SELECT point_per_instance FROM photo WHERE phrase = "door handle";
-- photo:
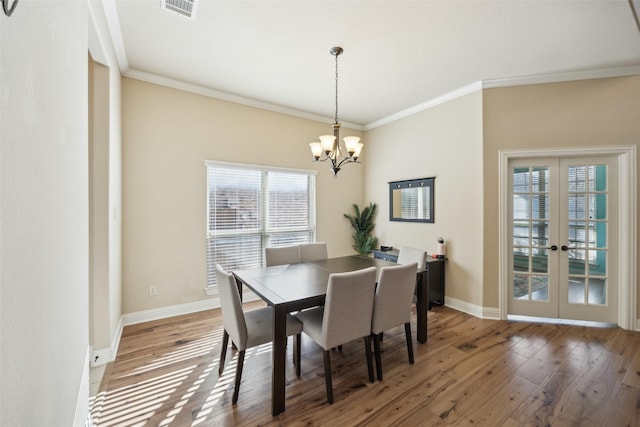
(553, 248)
(565, 247)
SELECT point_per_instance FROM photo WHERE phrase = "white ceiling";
(397, 54)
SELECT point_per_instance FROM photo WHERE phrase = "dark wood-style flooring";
(471, 372)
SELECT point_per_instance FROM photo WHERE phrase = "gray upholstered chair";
(247, 329)
(408, 254)
(283, 255)
(345, 317)
(313, 251)
(392, 306)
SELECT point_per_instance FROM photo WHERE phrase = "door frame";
(627, 220)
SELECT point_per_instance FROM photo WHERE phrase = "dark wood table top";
(305, 283)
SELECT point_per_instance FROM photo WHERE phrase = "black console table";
(434, 270)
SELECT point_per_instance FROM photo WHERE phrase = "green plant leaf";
(363, 224)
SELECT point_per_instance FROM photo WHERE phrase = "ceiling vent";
(183, 7)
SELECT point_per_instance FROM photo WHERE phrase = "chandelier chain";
(336, 116)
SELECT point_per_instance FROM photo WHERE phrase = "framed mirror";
(411, 200)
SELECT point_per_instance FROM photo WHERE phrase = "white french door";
(563, 238)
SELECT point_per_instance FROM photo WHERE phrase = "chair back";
(232, 314)
(408, 255)
(313, 251)
(348, 307)
(393, 297)
(283, 255)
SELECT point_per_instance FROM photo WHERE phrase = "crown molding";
(224, 96)
(562, 77)
(449, 96)
(508, 82)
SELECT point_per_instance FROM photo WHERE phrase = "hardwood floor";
(471, 372)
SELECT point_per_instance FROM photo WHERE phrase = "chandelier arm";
(347, 160)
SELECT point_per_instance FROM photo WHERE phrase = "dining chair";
(247, 328)
(282, 255)
(345, 317)
(392, 306)
(313, 251)
(407, 254)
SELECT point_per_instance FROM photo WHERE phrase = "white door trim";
(627, 219)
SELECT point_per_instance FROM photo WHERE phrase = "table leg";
(278, 352)
(422, 304)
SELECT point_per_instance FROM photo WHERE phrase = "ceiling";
(397, 54)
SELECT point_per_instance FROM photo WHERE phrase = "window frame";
(263, 232)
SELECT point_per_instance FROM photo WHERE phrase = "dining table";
(293, 287)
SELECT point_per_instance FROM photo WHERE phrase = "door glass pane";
(577, 204)
(540, 288)
(521, 259)
(540, 179)
(577, 261)
(598, 235)
(576, 290)
(521, 206)
(540, 206)
(521, 180)
(577, 234)
(597, 263)
(520, 286)
(597, 291)
(540, 261)
(597, 206)
(540, 233)
(577, 178)
(521, 233)
(598, 178)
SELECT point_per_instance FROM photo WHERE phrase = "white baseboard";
(490, 313)
(472, 309)
(105, 355)
(82, 402)
(637, 325)
(169, 311)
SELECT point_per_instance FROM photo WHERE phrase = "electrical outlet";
(153, 291)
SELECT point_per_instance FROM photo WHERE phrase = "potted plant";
(363, 225)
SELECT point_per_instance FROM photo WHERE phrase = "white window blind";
(415, 203)
(250, 208)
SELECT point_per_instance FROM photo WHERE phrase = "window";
(250, 208)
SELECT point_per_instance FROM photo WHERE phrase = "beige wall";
(99, 331)
(588, 113)
(445, 142)
(167, 136)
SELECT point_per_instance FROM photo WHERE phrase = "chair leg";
(407, 331)
(367, 350)
(327, 376)
(236, 389)
(296, 353)
(223, 351)
(376, 348)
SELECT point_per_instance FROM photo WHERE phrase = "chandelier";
(328, 149)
